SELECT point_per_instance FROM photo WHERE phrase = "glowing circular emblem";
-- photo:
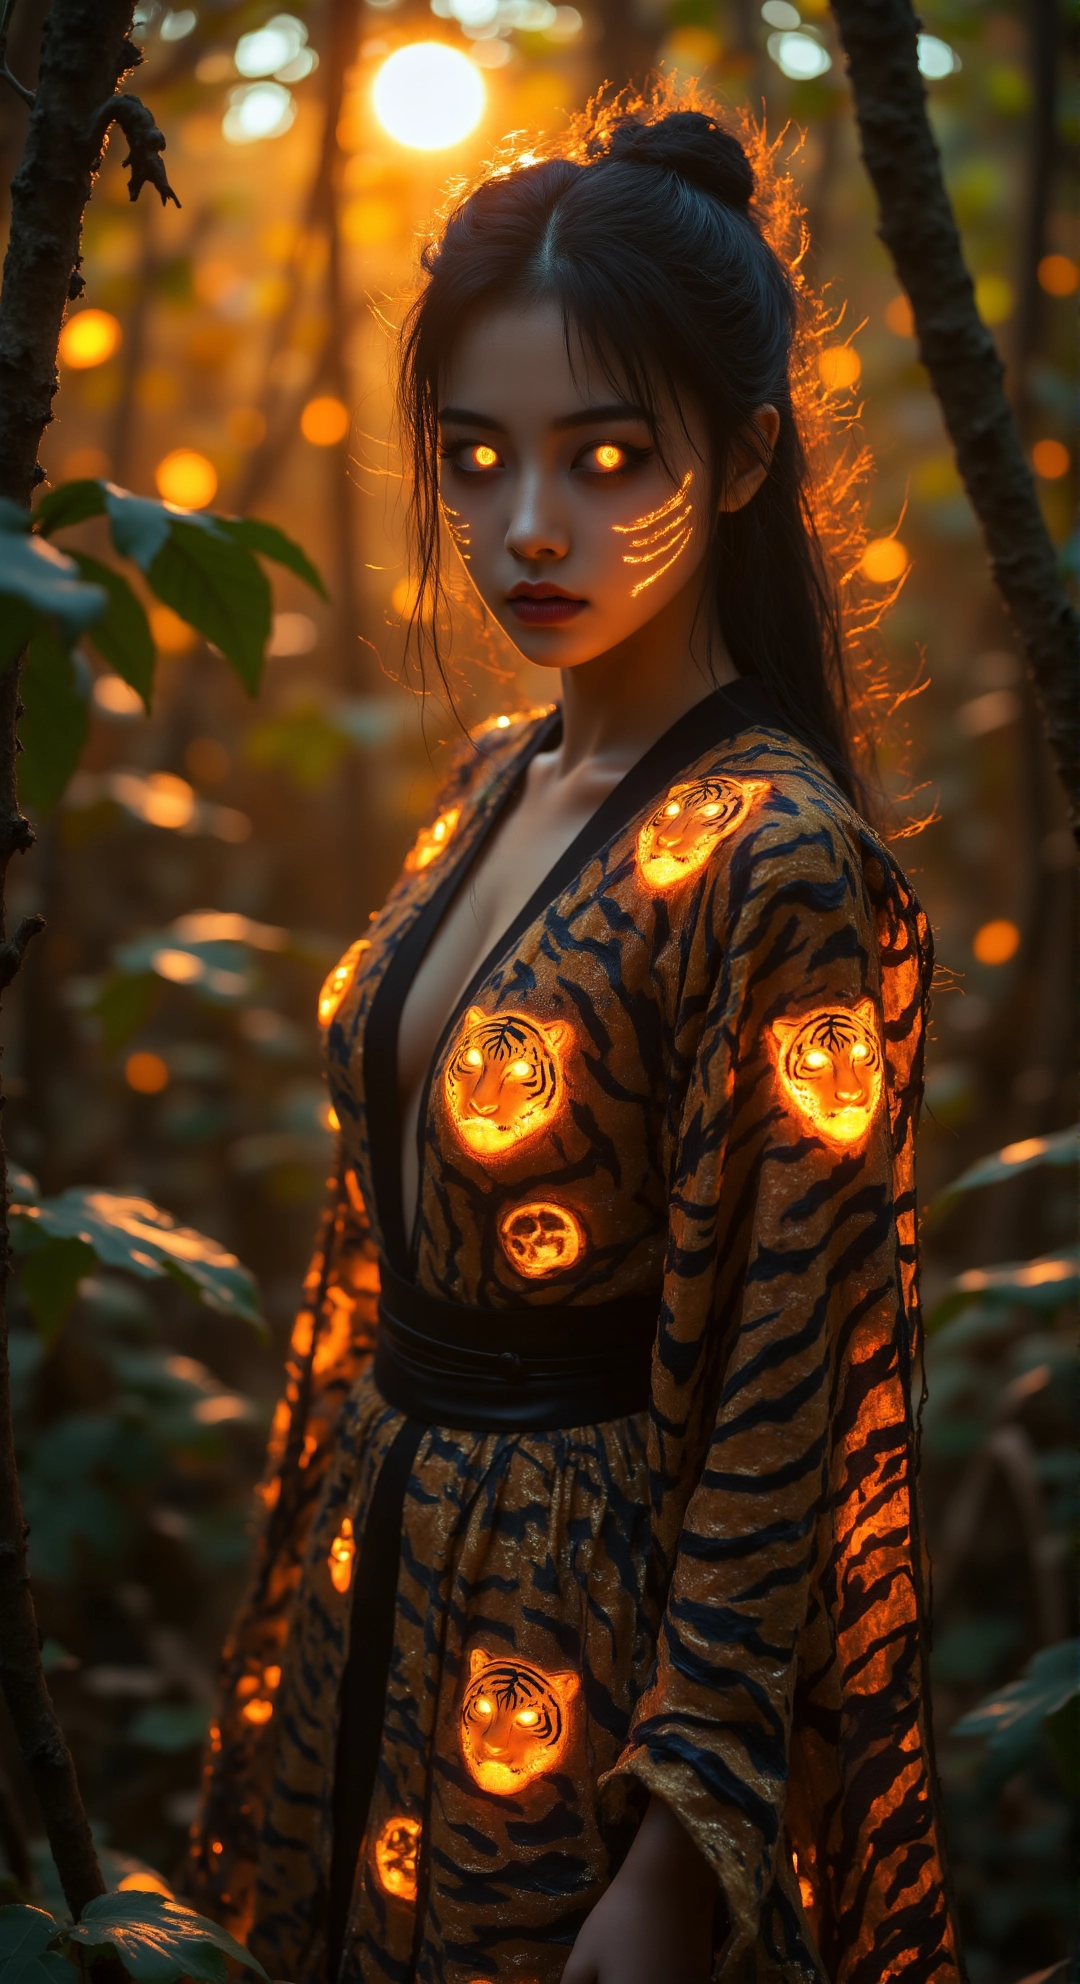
(514, 1721)
(337, 984)
(396, 1852)
(431, 841)
(340, 1560)
(830, 1064)
(540, 1239)
(504, 1080)
(428, 96)
(677, 840)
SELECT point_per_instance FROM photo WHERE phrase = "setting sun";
(428, 96)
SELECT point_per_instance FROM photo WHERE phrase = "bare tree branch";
(20, 89)
(12, 953)
(920, 233)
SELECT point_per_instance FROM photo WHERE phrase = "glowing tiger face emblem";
(515, 1721)
(504, 1081)
(396, 1851)
(431, 841)
(337, 984)
(831, 1067)
(539, 1238)
(677, 840)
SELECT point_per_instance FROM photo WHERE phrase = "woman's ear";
(750, 459)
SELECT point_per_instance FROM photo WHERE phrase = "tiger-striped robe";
(699, 1065)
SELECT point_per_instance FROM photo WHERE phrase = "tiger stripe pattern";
(733, 1580)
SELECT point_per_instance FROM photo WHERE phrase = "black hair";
(647, 239)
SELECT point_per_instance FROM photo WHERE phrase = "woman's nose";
(535, 529)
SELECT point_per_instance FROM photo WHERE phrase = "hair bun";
(692, 145)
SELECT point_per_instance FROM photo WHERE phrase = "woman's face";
(572, 530)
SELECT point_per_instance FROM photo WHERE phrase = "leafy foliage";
(60, 1239)
(202, 566)
(1060, 1149)
(156, 1938)
(1013, 1720)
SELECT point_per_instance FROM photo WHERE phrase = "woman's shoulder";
(797, 822)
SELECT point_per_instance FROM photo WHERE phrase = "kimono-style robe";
(692, 1066)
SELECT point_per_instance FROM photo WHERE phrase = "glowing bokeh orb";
(186, 479)
(89, 338)
(1058, 275)
(839, 368)
(146, 1073)
(997, 941)
(324, 421)
(1050, 459)
(884, 561)
(428, 96)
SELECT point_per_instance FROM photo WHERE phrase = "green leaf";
(22, 1185)
(25, 1956)
(131, 1233)
(1012, 1720)
(52, 729)
(139, 526)
(170, 1727)
(1045, 1283)
(122, 635)
(217, 586)
(124, 1004)
(273, 543)
(69, 503)
(47, 582)
(49, 1278)
(158, 1939)
(1062, 1148)
(18, 621)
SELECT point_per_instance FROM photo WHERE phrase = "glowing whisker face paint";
(661, 533)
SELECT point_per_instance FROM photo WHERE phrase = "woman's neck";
(617, 705)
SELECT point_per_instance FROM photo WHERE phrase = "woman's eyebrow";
(462, 416)
(591, 416)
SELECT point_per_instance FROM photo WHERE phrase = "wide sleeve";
(784, 1721)
(331, 1341)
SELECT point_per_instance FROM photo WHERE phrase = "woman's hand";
(654, 1925)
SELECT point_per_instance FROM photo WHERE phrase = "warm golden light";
(485, 457)
(337, 984)
(1058, 275)
(145, 1881)
(324, 421)
(995, 298)
(661, 533)
(830, 1064)
(996, 942)
(431, 841)
(884, 561)
(146, 1073)
(1050, 460)
(257, 1711)
(609, 456)
(515, 1721)
(89, 338)
(186, 479)
(839, 368)
(504, 1082)
(428, 96)
(540, 1238)
(900, 317)
(679, 837)
(396, 1852)
(171, 634)
(340, 1560)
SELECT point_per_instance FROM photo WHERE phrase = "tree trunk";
(920, 233)
(85, 51)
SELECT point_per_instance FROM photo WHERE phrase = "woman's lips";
(543, 607)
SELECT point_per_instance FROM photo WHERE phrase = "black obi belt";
(512, 1370)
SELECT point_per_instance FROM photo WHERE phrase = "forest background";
(208, 863)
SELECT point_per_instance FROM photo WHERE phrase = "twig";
(919, 230)
(11, 953)
(20, 89)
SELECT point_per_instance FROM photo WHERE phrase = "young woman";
(585, 1635)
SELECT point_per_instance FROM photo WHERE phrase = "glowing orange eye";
(521, 1069)
(485, 457)
(816, 1059)
(859, 1052)
(709, 812)
(527, 1717)
(673, 810)
(609, 456)
(474, 1058)
(483, 1707)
